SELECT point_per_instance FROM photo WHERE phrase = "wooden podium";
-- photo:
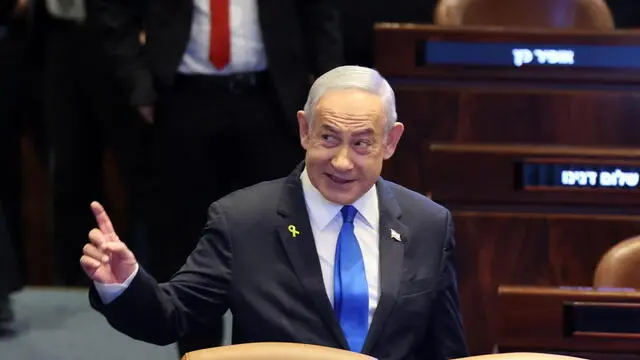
(598, 324)
(530, 138)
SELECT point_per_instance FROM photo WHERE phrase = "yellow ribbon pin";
(293, 231)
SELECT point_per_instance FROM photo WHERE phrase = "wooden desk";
(482, 128)
(585, 322)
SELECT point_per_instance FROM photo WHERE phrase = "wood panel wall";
(466, 130)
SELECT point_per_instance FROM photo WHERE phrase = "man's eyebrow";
(368, 131)
(328, 128)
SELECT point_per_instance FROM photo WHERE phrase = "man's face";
(347, 143)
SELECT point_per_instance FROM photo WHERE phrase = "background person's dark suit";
(247, 260)
(302, 38)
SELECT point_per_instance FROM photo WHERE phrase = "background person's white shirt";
(326, 221)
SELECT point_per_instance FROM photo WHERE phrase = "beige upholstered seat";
(619, 266)
(522, 356)
(274, 351)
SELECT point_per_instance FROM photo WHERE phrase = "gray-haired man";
(332, 255)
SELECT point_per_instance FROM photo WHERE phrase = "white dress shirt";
(247, 47)
(326, 221)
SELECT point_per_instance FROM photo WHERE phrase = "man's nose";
(341, 161)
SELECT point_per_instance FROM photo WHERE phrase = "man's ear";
(393, 137)
(303, 128)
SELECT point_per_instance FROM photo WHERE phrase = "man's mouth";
(339, 180)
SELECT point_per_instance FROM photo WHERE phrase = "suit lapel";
(393, 235)
(297, 239)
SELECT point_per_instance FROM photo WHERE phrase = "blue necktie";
(351, 294)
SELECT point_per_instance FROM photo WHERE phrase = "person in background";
(220, 82)
(331, 255)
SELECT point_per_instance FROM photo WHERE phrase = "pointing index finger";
(104, 223)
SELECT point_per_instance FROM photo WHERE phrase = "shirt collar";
(322, 211)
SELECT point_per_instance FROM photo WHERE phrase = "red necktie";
(219, 40)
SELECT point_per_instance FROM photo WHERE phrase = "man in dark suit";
(332, 255)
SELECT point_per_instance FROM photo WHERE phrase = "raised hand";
(106, 259)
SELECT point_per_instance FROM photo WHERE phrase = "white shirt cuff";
(109, 292)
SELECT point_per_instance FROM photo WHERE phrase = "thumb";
(122, 262)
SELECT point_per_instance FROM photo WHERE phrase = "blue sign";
(551, 175)
(519, 55)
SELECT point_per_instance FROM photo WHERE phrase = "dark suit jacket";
(248, 261)
(301, 38)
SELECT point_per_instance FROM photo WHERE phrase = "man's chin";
(340, 198)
